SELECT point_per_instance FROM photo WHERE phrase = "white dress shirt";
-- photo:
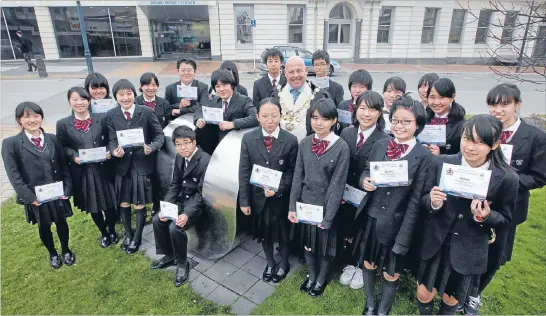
(331, 138)
(274, 134)
(513, 129)
(187, 160)
(367, 133)
(411, 143)
(131, 110)
(278, 78)
(29, 136)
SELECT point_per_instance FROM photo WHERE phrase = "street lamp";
(83, 30)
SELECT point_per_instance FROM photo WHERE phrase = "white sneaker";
(347, 275)
(357, 282)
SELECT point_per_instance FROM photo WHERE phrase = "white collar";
(514, 126)
(88, 116)
(367, 132)
(29, 136)
(228, 100)
(331, 138)
(184, 85)
(464, 163)
(442, 116)
(274, 134)
(411, 143)
(189, 159)
(278, 78)
(130, 110)
(152, 100)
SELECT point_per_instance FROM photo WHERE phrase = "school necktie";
(438, 121)
(274, 82)
(395, 150)
(268, 142)
(36, 141)
(360, 140)
(225, 107)
(150, 104)
(295, 94)
(82, 125)
(505, 135)
(318, 147)
(351, 106)
(127, 115)
(186, 162)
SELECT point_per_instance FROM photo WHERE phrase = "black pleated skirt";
(49, 212)
(269, 227)
(322, 242)
(134, 188)
(97, 194)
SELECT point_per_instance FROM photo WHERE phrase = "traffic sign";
(253, 23)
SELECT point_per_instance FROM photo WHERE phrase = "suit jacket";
(26, 45)
(24, 168)
(144, 118)
(186, 187)
(469, 239)
(529, 160)
(263, 89)
(336, 92)
(173, 99)
(281, 158)
(163, 109)
(396, 208)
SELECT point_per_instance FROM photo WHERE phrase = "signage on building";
(172, 2)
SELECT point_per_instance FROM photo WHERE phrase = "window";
(540, 43)
(339, 28)
(125, 29)
(457, 24)
(508, 28)
(19, 19)
(384, 28)
(429, 25)
(483, 27)
(243, 15)
(296, 19)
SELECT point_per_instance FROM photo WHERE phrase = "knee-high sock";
(46, 237)
(64, 234)
(387, 297)
(125, 213)
(140, 222)
(268, 250)
(446, 309)
(98, 218)
(425, 308)
(311, 262)
(368, 276)
(284, 252)
(111, 218)
(325, 263)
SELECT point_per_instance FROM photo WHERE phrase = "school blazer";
(163, 109)
(24, 170)
(529, 160)
(359, 157)
(469, 239)
(281, 158)
(263, 89)
(186, 188)
(240, 111)
(397, 208)
(336, 91)
(144, 118)
(454, 132)
(173, 99)
(343, 105)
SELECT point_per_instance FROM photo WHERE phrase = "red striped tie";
(318, 146)
(438, 121)
(36, 141)
(505, 135)
(268, 142)
(395, 150)
(150, 104)
(127, 115)
(351, 106)
(82, 125)
(360, 140)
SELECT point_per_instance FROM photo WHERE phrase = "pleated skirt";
(97, 194)
(322, 242)
(269, 227)
(133, 188)
(49, 212)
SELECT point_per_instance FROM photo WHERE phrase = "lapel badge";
(448, 146)
(519, 162)
(102, 137)
(281, 162)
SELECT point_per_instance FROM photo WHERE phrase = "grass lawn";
(103, 281)
(518, 288)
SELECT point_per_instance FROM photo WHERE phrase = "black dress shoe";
(162, 263)
(55, 262)
(104, 241)
(317, 290)
(268, 273)
(181, 275)
(69, 258)
(307, 285)
(133, 247)
(368, 310)
(280, 275)
(114, 239)
(125, 243)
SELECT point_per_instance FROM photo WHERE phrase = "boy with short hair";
(264, 86)
(321, 65)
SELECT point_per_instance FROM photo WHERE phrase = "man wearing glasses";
(321, 65)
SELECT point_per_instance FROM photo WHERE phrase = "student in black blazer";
(135, 164)
(97, 86)
(443, 110)
(321, 65)
(238, 111)
(391, 213)
(186, 191)
(33, 158)
(186, 71)
(149, 84)
(231, 66)
(456, 231)
(268, 146)
(366, 130)
(93, 183)
(360, 81)
(265, 86)
(423, 84)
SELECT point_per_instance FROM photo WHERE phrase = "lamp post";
(86, 51)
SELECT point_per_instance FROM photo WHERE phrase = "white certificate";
(212, 115)
(186, 92)
(507, 152)
(321, 83)
(433, 135)
(344, 116)
(353, 195)
(309, 213)
(469, 183)
(168, 210)
(265, 177)
(49, 192)
(131, 137)
(389, 173)
(91, 155)
(103, 105)
(388, 127)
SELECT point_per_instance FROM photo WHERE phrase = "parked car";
(289, 51)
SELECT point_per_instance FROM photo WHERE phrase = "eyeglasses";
(320, 65)
(183, 144)
(404, 122)
(185, 71)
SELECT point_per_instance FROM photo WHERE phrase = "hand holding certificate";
(345, 117)
(468, 183)
(433, 135)
(103, 105)
(309, 213)
(353, 195)
(91, 155)
(213, 115)
(168, 210)
(389, 173)
(265, 177)
(186, 92)
(131, 137)
(49, 192)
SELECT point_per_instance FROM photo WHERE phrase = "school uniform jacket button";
(460, 216)
(383, 207)
(388, 193)
(184, 181)
(456, 234)
(187, 196)
(267, 162)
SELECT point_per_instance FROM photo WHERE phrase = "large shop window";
(19, 19)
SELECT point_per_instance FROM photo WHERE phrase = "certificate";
(309, 213)
(321, 83)
(353, 195)
(507, 152)
(469, 183)
(186, 92)
(389, 173)
(388, 127)
(433, 135)
(265, 177)
(213, 115)
(103, 106)
(168, 210)
(91, 155)
(345, 116)
(49, 192)
(131, 137)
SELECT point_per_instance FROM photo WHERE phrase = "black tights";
(44, 230)
(323, 267)
(108, 226)
(283, 251)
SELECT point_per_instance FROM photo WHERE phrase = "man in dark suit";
(26, 49)
(264, 86)
(186, 191)
(321, 65)
(174, 93)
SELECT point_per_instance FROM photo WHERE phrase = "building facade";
(370, 31)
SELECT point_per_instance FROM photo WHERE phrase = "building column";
(356, 53)
(145, 34)
(215, 38)
(47, 33)
(325, 43)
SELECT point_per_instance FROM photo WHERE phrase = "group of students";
(452, 246)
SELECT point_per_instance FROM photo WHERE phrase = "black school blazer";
(469, 239)
(263, 89)
(163, 109)
(173, 99)
(24, 170)
(454, 131)
(281, 158)
(240, 111)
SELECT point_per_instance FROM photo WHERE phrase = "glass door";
(176, 39)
